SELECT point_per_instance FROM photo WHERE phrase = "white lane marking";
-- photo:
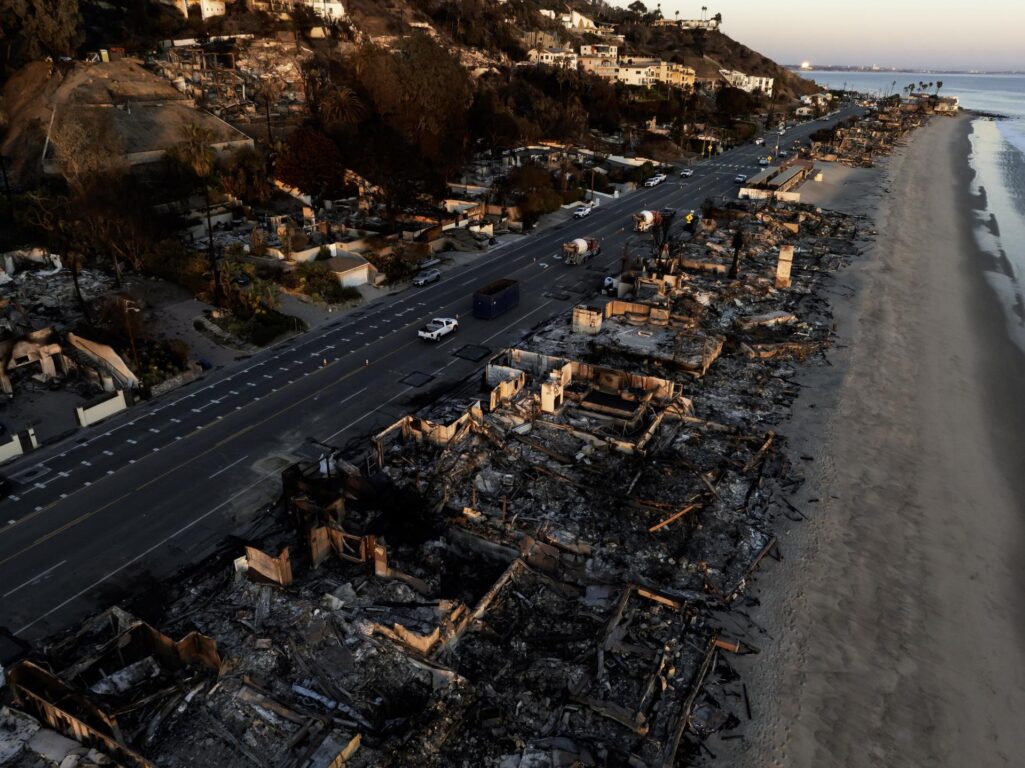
(229, 466)
(521, 319)
(140, 556)
(34, 579)
(364, 416)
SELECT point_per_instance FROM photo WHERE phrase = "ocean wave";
(1013, 132)
(998, 159)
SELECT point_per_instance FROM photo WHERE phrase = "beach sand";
(893, 630)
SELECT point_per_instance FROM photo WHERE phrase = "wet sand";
(894, 629)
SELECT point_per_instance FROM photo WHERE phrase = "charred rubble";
(531, 571)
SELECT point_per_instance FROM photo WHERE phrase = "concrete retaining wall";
(100, 411)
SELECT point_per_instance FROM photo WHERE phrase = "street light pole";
(128, 326)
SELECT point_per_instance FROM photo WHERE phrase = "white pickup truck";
(438, 328)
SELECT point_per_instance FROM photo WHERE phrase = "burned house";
(530, 571)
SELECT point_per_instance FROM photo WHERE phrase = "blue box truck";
(496, 298)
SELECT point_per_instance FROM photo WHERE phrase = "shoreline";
(891, 634)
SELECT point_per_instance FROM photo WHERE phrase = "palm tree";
(196, 157)
(939, 84)
(342, 106)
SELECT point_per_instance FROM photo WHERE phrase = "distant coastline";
(884, 70)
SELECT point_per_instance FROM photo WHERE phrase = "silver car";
(427, 276)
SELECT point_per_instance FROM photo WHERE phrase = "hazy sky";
(985, 34)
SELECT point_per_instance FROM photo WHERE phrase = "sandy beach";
(893, 629)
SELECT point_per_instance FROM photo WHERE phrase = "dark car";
(5, 487)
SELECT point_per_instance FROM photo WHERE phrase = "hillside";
(709, 51)
(497, 30)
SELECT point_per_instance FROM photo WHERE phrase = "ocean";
(998, 159)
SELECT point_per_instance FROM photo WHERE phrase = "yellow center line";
(69, 524)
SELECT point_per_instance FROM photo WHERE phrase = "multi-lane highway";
(135, 498)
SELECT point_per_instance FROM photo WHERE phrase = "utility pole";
(128, 327)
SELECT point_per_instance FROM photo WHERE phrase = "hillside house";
(600, 51)
(599, 65)
(207, 9)
(572, 20)
(599, 60)
(817, 99)
(328, 10)
(648, 72)
(553, 57)
(748, 83)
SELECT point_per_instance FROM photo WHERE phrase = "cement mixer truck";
(578, 251)
(646, 220)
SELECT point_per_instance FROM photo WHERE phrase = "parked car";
(783, 153)
(740, 178)
(655, 180)
(584, 210)
(438, 328)
(242, 280)
(686, 173)
(425, 276)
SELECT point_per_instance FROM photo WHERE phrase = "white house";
(638, 71)
(329, 10)
(352, 270)
(817, 99)
(643, 72)
(749, 83)
(600, 51)
(207, 8)
(572, 20)
(553, 57)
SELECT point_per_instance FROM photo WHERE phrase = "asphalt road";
(137, 497)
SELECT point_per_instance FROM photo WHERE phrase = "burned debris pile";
(858, 142)
(529, 572)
